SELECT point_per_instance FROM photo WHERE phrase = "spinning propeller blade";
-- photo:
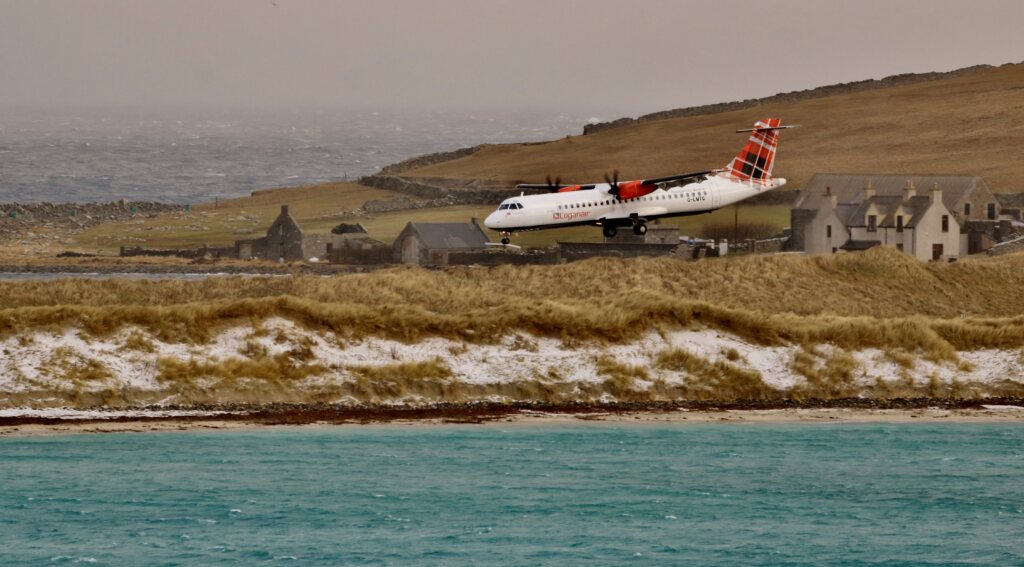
(613, 182)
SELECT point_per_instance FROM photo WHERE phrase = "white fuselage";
(598, 207)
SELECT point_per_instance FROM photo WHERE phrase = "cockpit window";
(503, 207)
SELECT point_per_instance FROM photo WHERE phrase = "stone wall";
(1008, 247)
(360, 256)
(572, 251)
(192, 253)
(427, 159)
(499, 257)
(443, 192)
(16, 217)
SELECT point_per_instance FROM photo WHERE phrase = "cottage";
(285, 240)
(429, 243)
(928, 217)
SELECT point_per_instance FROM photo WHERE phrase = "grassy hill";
(968, 124)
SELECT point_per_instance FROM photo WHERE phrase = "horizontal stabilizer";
(766, 128)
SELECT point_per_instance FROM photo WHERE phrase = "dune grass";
(827, 306)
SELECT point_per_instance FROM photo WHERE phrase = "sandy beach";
(34, 426)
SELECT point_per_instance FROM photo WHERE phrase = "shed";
(429, 243)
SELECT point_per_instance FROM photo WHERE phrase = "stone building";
(429, 243)
(285, 240)
(928, 217)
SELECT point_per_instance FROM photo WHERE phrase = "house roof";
(285, 219)
(449, 235)
(849, 188)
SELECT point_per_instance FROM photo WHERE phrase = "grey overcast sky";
(628, 56)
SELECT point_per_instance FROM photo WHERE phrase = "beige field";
(964, 125)
(220, 226)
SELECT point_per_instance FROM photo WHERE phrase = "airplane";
(614, 204)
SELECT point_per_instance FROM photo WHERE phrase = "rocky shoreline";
(484, 412)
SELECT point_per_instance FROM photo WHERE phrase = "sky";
(606, 55)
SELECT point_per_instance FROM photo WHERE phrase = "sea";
(194, 155)
(573, 494)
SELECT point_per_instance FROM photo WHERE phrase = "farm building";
(929, 217)
(429, 243)
(286, 241)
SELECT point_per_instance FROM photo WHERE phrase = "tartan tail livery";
(754, 163)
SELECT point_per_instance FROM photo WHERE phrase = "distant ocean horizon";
(587, 494)
(191, 156)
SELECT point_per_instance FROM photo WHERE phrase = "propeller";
(555, 186)
(613, 183)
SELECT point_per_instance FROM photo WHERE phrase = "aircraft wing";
(552, 187)
(680, 177)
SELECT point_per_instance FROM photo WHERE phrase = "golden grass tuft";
(721, 380)
(827, 377)
(138, 342)
(189, 374)
(427, 379)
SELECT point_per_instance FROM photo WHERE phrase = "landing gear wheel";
(505, 241)
(639, 229)
(609, 231)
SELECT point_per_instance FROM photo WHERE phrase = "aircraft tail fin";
(756, 159)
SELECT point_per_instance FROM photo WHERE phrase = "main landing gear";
(639, 229)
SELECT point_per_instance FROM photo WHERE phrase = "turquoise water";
(579, 494)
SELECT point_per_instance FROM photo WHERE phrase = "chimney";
(936, 193)
(910, 191)
(833, 199)
(869, 191)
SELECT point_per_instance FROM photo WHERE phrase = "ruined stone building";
(929, 217)
(286, 241)
(429, 243)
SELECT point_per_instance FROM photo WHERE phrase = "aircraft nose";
(492, 221)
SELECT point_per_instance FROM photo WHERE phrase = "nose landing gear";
(609, 231)
(505, 238)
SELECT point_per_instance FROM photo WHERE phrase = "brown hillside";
(968, 124)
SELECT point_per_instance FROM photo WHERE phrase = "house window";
(945, 223)
(899, 247)
(967, 209)
(991, 211)
(828, 231)
(834, 249)
(899, 223)
(872, 223)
